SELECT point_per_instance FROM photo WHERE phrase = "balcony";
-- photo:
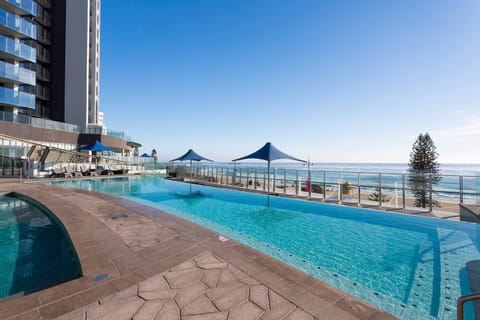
(15, 50)
(42, 73)
(42, 92)
(21, 7)
(43, 35)
(43, 54)
(45, 3)
(16, 98)
(44, 17)
(15, 26)
(11, 73)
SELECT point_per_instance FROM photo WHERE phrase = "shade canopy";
(190, 155)
(269, 153)
(145, 155)
(96, 146)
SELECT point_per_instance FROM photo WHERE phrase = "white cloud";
(468, 128)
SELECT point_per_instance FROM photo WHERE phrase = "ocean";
(458, 181)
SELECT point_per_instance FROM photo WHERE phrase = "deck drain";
(375, 293)
(122, 215)
(100, 277)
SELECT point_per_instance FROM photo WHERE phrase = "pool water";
(412, 267)
(35, 253)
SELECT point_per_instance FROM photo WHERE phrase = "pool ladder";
(461, 301)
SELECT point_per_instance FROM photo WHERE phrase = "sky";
(331, 81)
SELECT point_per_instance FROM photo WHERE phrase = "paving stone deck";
(162, 267)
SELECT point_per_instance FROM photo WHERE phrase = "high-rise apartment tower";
(50, 59)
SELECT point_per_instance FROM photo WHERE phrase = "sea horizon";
(394, 167)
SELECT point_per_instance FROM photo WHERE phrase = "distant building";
(49, 75)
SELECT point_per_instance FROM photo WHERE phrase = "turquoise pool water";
(412, 267)
(34, 251)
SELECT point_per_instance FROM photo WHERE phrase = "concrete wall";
(40, 135)
(470, 213)
(76, 62)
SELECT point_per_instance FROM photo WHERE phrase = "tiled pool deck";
(162, 267)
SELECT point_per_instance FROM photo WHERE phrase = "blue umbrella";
(145, 155)
(268, 153)
(96, 146)
(190, 155)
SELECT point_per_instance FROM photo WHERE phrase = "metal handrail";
(461, 301)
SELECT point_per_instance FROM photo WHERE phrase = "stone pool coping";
(105, 233)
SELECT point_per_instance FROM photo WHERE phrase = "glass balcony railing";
(17, 98)
(28, 6)
(95, 129)
(18, 24)
(18, 49)
(16, 73)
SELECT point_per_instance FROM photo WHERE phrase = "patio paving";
(159, 266)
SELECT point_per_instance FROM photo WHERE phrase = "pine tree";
(154, 155)
(423, 169)
(375, 196)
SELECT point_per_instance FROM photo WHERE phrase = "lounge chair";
(117, 169)
(57, 173)
(104, 171)
(69, 172)
(86, 171)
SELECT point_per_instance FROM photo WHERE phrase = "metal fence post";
(380, 189)
(430, 200)
(460, 185)
(359, 190)
(340, 191)
(264, 180)
(324, 185)
(274, 178)
(403, 191)
(309, 183)
(284, 181)
(255, 180)
(296, 183)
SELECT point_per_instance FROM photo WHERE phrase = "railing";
(94, 129)
(386, 190)
(38, 122)
(461, 303)
(16, 48)
(16, 98)
(26, 5)
(18, 24)
(17, 73)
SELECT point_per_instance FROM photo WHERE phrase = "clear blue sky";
(335, 81)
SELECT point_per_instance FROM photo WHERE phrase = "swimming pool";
(412, 267)
(35, 253)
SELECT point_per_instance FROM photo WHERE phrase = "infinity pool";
(35, 253)
(412, 267)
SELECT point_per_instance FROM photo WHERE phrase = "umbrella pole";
(268, 187)
(190, 176)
